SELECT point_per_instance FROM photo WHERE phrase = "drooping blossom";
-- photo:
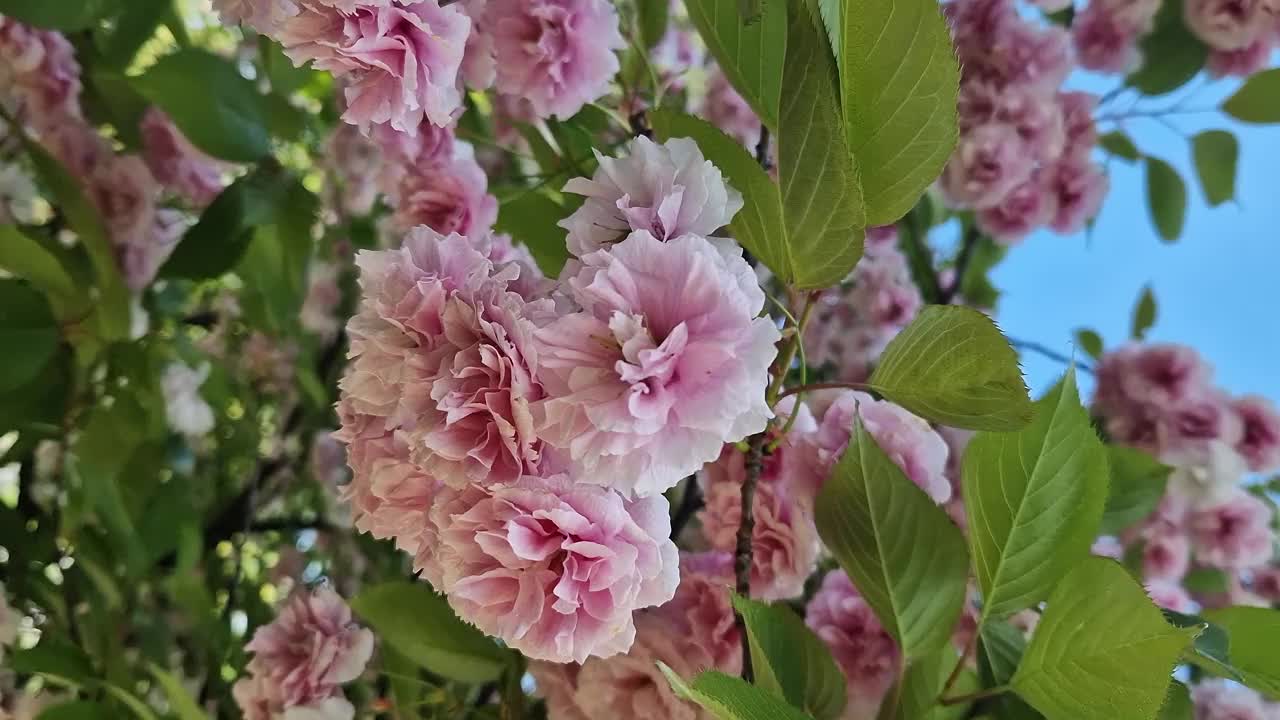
(263, 15)
(398, 61)
(1160, 375)
(1252, 58)
(479, 66)
(723, 107)
(44, 76)
(668, 190)
(1233, 535)
(1080, 132)
(175, 162)
(557, 54)
(186, 410)
(1260, 435)
(302, 658)
(666, 361)
(692, 633)
(908, 440)
(989, 162)
(442, 351)
(556, 567)
(679, 50)
(1166, 555)
(861, 646)
(784, 539)
(125, 193)
(1106, 40)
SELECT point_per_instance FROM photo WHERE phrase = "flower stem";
(975, 696)
(824, 386)
(742, 556)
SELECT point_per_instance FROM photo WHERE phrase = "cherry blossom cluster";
(1240, 35)
(517, 445)
(1023, 159)
(406, 62)
(39, 70)
(1160, 399)
(301, 660)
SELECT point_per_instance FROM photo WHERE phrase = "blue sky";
(1216, 288)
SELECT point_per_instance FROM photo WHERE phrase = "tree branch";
(971, 238)
(742, 555)
(762, 148)
(690, 503)
(1039, 349)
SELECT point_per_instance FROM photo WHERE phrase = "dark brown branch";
(762, 148)
(970, 243)
(742, 555)
(690, 503)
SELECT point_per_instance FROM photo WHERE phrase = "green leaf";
(1034, 500)
(1166, 198)
(1177, 704)
(1137, 485)
(952, 365)
(111, 311)
(28, 333)
(1172, 53)
(789, 659)
(899, 82)
(124, 106)
(64, 15)
(181, 704)
(1255, 635)
(821, 194)
(420, 625)
(135, 25)
(653, 16)
(1211, 649)
(285, 77)
(28, 259)
(1206, 581)
(1090, 342)
(53, 656)
(1144, 314)
(1101, 651)
(1255, 101)
(274, 266)
(1000, 650)
(532, 218)
(750, 54)
(99, 457)
(215, 107)
(922, 684)
(874, 520)
(758, 226)
(1117, 143)
(1216, 153)
(729, 698)
(215, 244)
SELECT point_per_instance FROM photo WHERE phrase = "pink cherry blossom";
(1163, 375)
(1104, 41)
(989, 162)
(320, 305)
(1266, 583)
(861, 646)
(557, 54)
(479, 66)
(668, 190)
(311, 648)
(1260, 438)
(125, 193)
(1166, 556)
(266, 16)
(45, 75)
(399, 61)
(1038, 123)
(1081, 132)
(451, 198)
(1243, 62)
(1226, 24)
(142, 256)
(555, 567)
(444, 352)
(784, 539)
(1024, 209)
(1080, 186)
(354, 161)
(723, 107)
(1170, 595)
(1108, 546)
(1235, 534)
(176, 163)
(908, 440)
(666, 362)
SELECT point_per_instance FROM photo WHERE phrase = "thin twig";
(1039, 349)
(823, 386)
(762, 148)
(975, 696)
(742, 555)
(970, 243)
(955, 672)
